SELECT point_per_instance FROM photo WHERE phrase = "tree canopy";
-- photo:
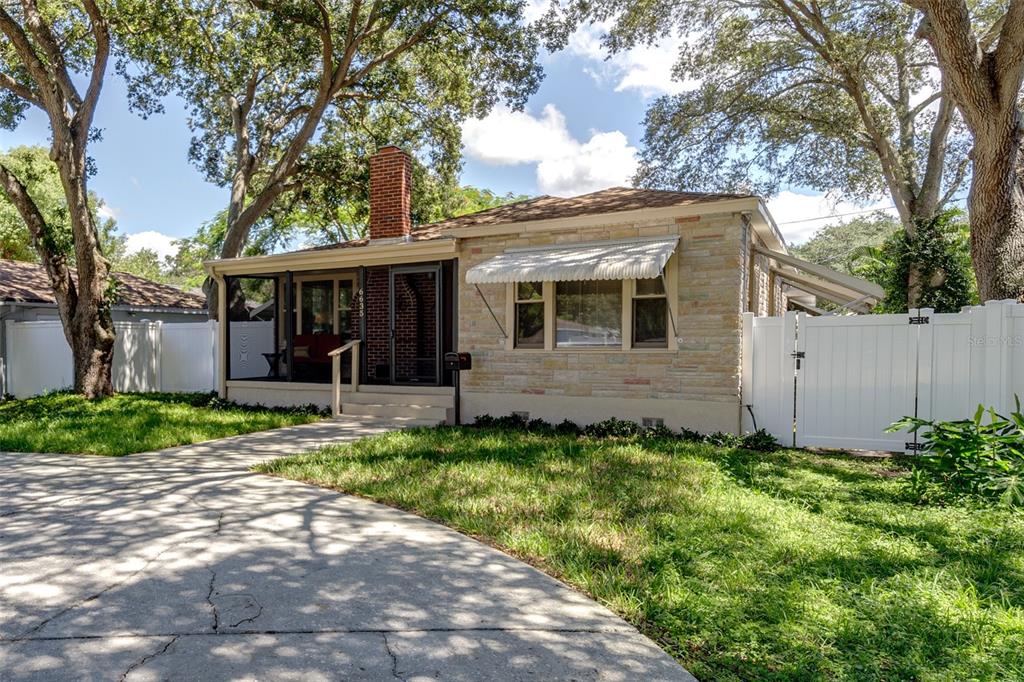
(979, 49)
(834, 245)
(41, 178)
(833, 95)
(289, 99)
(54, 58)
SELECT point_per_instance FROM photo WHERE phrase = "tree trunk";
(996, 204)
(90, 328)
(92, 351)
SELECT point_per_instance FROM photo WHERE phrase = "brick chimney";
(390, 194)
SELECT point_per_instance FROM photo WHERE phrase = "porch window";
(650, 314)
(317, 304)
(529, 315)
(346, 303)
(588, 314)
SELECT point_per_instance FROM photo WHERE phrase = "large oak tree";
(54, 58)
(842, 95)
(980, 51)
(290, 98)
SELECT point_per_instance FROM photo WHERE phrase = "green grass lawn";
(741, 565)
(126, 423)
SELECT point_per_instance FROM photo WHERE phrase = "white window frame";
(628, 290)
(516, 302)
(633, 296)
(335, 278)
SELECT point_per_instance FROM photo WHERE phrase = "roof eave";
(370, 254)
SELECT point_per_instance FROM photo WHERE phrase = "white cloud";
(535, 9)
(507, 137)
(151, 239)
(645, 68)
(565, 166)
(108, 212)
(606, 160)
(799, 216)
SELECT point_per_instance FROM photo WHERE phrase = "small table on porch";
(274, 360)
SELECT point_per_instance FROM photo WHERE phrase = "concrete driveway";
(182, 565)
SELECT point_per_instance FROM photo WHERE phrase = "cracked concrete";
(181, 564)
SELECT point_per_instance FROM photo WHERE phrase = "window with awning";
(598, 295)
(616, 260)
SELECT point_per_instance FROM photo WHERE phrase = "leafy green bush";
(759, 440)
(940, 251)
(213, 401)
(613, 427)
(970, 458)
(659, 431)
(568, 428)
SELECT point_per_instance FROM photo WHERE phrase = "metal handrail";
(335, 356)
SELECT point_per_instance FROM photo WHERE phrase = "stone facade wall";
(765, 297)
(706, 366)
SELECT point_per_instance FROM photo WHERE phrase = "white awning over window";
(641, 258)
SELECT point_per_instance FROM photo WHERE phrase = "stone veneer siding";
(711, 296)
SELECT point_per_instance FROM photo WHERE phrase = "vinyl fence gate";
(839, 381)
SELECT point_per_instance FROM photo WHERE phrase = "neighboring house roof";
(22, 282)
(611, 200)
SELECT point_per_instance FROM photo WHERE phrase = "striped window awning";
(642, 258)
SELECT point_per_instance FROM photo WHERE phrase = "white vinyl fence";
(839, 381)
(148, 356)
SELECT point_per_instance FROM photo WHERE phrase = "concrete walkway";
(181, 564)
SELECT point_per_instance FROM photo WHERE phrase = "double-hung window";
(592, 315)
(650, 313)
(529, 304)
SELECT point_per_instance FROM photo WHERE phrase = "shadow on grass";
(125, 423)
(742, 565)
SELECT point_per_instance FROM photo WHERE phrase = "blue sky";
(580, 132)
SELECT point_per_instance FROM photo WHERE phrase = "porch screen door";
(415, 324)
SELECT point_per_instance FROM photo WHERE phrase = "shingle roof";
(611, 200)
(22, 282)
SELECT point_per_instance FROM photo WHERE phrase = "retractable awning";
(621, 259)
(854, 293)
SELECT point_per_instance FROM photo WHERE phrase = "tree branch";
(19, 90)
(44, 37)
(1009, 55)
(56, 264)
(23, 47)
(101, 34)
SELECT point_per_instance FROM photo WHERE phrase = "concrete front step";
(380, 398)
(373, 421)
(415, 390)
(432, 412)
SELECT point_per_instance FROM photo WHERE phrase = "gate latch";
(918, 319)
(799, 355)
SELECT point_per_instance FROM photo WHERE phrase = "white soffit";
(642, 258)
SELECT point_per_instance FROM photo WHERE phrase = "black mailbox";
(457, 361)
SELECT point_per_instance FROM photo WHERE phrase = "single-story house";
(26, 296)
(623, 302)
